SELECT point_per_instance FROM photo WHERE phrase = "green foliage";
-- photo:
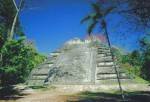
(133, 63)
(137, 62)
(18, 59)
(125, 58)
(132, 71)
(7, 12)
(146, 69)
(145, 44)
(134, 58)
(140, 80)
(128, 68)
(117, 53)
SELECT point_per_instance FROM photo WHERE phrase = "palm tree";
(98, 17)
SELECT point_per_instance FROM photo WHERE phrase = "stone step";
(104, 57)
(107, 66)
(54, 56)
(43, 66)
(104, 60)
(35, 82)
(51, 56)
(114, 81)
(56, 53)
(103, 54)
(41, 71)
(100, 65)
(105, 63)
(108, 70)
(39, 74)
(39, 77)
(52, 61)
(103, 48)
(106, 76)
(106, 51)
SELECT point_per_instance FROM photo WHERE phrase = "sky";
(57, 21)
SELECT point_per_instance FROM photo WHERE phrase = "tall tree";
(10, 10)
(98, 16)
(145, 45)
(18, 9)
(7, 14)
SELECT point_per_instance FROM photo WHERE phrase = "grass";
(140, 80)
(87, 96)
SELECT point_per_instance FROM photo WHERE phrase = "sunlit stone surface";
(77, 62)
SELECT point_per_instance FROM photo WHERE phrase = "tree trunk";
(113, 57)
(10, 37)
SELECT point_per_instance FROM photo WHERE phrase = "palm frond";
(92, 26)
(110, 9)
(85, 19)
(96, 7)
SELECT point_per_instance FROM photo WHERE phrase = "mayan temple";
(78, 62)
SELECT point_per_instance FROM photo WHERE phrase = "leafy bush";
(145, 71)
(145, 46)
(17, 60)
(132, 71)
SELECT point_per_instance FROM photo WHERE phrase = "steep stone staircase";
(39, 75)
(105, 68)
(78, 64)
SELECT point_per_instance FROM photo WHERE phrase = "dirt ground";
(81, 93)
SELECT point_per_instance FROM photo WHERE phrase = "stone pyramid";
(78, 62)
